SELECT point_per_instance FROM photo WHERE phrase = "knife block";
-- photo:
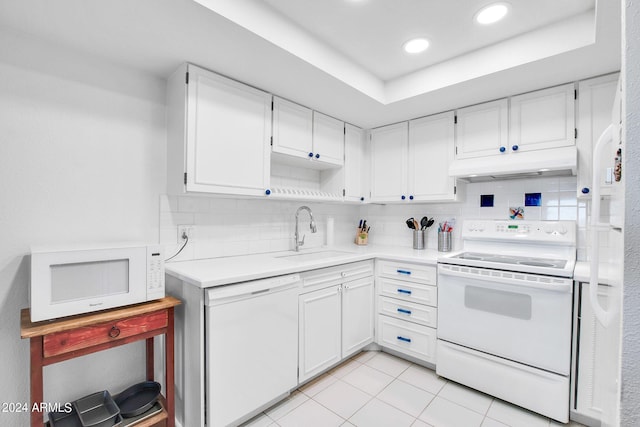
(362, 237)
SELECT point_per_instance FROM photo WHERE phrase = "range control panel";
(563, 232)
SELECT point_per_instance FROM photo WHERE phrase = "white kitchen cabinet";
(218, 134)
(431, 150)
(407, 308)
(303, 135)
(355, 164)
(328, 139)
(482, 130)
(389, 151)
(542, 119)
(336, 315)
(595, 101)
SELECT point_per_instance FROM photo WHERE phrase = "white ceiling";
(292, 47)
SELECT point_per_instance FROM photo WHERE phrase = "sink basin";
(312, 256)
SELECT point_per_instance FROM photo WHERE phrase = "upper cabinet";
(301, 133)
(542, 119)
(218, 134)
(482, 130)
(595, 102)
(410, 160)
(355, 164)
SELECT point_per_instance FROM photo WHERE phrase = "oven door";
(518, 316)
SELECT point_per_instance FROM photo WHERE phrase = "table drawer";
(407, 291)
(408, 338)
(406, 271)
(87, 336)
(405, 310)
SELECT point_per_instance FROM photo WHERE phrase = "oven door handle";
(554, 284)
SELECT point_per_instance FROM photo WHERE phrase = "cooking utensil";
(416, 226)
(138, 398)
(423, 223)
(430, 222)
(410, 223)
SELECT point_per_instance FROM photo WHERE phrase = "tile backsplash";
(228, 226)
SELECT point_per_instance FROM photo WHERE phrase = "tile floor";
(375, 389)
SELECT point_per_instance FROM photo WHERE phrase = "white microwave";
(70, 281)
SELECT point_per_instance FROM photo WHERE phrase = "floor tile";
(284, 407)
(570, 424)
(444, 413)
(489, 422)
(310, 414)
(343, 369)
(317, 385)
(406, 397)
(467, 397)
(261, 420)
(368, 379)
(423, 378)
(342, 398)
(376, 413)
(363, 356)
(514, 416)
(388, 364)
(420, 423)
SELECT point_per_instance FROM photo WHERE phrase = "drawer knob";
(404, 291)
(402, 310)
(403, 339)
(114, 332)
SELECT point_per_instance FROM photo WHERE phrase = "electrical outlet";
(185, 230)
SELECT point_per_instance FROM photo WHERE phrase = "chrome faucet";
(312, 226)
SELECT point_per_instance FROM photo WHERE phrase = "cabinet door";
(319, 331)
(482, 129)
(228, 131)
(431, 150)
(328, 139)
(354, 163)
(292, 128)
(542, 119)
(595, 101)
(389, 163)
(357, 315)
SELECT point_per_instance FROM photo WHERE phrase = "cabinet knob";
(585, 190)
(317, 156)
(410, 197)
(403, 197)
(267, 192)
(503, 149)
(114, 332)
(310, 155)
(514, 148)
(362, 199)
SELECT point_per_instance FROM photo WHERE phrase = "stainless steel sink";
(312, 256)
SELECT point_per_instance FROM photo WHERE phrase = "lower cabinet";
(407, 309)
(336, 316)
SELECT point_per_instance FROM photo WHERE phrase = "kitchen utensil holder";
(418, 239)
(362, 237)
(444, 241)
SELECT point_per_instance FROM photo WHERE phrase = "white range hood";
(524, 164)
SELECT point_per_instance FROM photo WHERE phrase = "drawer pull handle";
(403, 339)
(404, 291)
(402, 310)
(407, 272)
(114, 332)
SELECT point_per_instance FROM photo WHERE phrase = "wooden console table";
(70, 337)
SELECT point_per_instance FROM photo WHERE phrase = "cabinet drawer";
(408, 338)
(87, 336)
(406, 271)
(412, 292)
(325, 277)
(405, 310)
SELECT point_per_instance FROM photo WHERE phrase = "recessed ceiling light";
(416, 45)
(492, 13)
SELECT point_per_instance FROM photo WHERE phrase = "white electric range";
(505, 310)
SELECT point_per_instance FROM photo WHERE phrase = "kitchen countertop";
(608, 274)
(210, 272)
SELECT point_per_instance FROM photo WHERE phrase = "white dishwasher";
(252, 347)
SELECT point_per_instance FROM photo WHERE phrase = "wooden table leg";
(169, 373)
(37, 418)
(150, 360)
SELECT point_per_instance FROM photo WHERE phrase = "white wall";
(630, 405)
(82, 146)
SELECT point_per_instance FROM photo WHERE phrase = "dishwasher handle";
(233, 292)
